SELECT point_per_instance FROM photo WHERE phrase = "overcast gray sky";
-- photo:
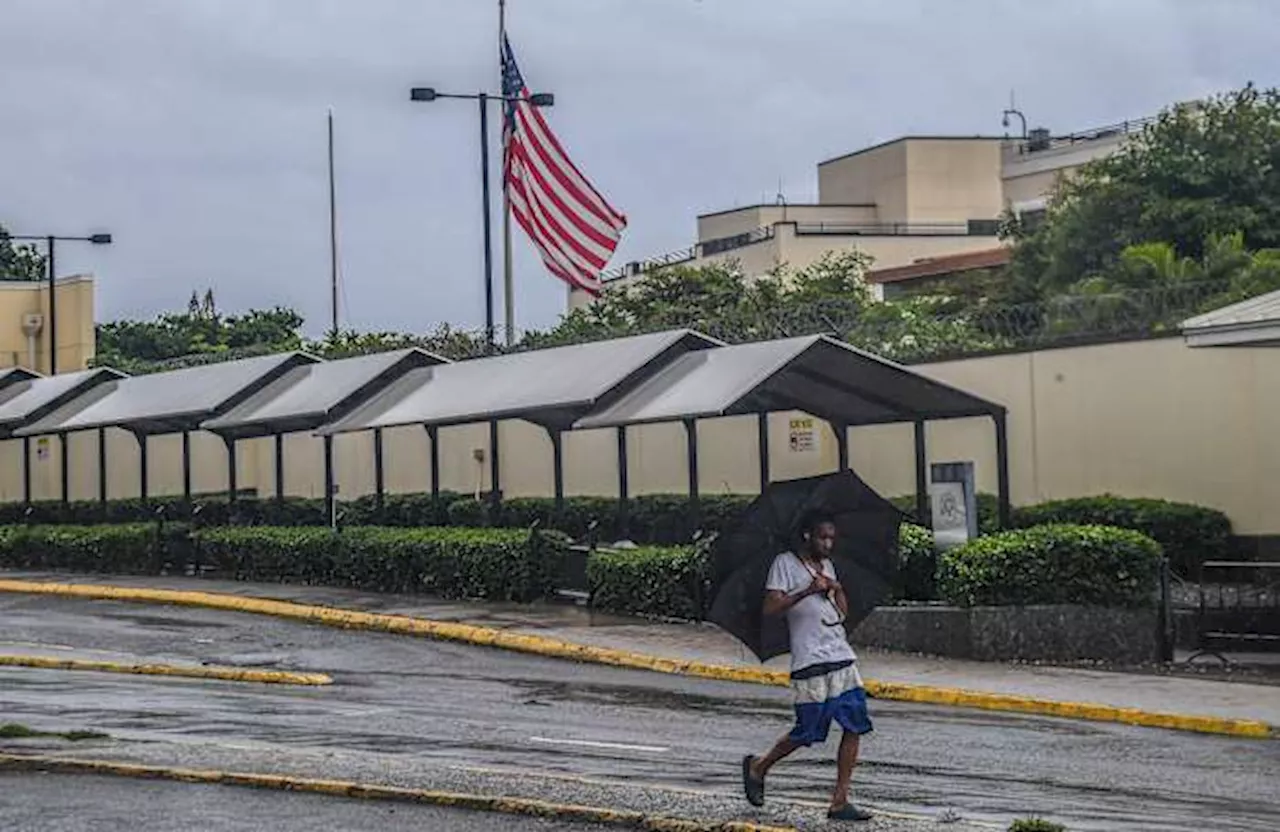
(194, 130)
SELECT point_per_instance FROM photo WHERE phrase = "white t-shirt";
(812, 642)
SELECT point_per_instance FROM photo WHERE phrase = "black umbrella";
(865, 555)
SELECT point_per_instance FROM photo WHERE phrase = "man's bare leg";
(846, 759)
(781, 749)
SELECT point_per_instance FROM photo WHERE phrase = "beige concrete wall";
(1150, 418)
(730, 223)
(953, 180)
(75, 323)
(799, 250)
(877, 176)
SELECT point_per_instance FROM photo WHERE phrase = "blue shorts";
(834, 696)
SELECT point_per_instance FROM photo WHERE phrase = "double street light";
(100, 239)
(542, 99)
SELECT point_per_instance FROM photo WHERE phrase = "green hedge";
(917, 564)
(1189, 534)
(668, 582)
(497, 564)
(131, 548)
(1061, 564)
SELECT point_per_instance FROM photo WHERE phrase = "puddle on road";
(162, 621)
(546, 693)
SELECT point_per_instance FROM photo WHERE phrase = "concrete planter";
(1054, 633)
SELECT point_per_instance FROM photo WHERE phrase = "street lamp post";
(542, 99)
(101, 239)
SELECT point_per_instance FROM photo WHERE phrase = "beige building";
(903, 202)
(24, 324)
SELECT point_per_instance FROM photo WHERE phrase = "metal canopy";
(551, 387)
(1252, 322)
(309, 395)
(14, 375)
(816, 374)
(171, 402)
(35, 398)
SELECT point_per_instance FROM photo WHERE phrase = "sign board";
(953, 502)
(802, 435)
(42, 448)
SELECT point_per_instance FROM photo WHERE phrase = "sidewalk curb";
(224, 674)
(338, 788)
(553, 648)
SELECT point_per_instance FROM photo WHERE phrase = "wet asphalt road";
(405, 701)
(52, 803)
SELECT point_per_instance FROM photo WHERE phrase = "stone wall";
(1052, 633)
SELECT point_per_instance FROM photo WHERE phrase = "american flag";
(574, 228)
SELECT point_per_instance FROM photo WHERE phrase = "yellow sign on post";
(802, 436)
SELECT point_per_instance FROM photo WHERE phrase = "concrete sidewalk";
(702, 642)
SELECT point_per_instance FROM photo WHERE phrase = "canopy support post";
(841, 431)
(64, 464)
(691, 449)
(495, 469)
(232, 472)
(26, 470)
(330, 504)
(624, 482)
(557, 467)
(922, 476)
(102, 466)
(379, 472)
(433, 435)
(1001, 418)
(279, 449)
(143, 490)
(762, 441)
(186, 466)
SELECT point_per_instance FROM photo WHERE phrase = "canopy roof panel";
(551, 387)
(814, 374)
(13, 375)
(311, 394)
(168, 402)
(34, 398)
(1255, 321)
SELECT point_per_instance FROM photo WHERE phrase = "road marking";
(614, 746)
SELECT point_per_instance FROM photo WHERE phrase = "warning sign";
(802, 436)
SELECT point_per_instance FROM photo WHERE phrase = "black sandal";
(751, 786)
(848, 812)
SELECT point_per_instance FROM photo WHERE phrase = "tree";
(719, 300)
(1199, 172)
(444, 340)
(20, 262)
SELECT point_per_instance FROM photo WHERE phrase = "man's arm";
(777, 602)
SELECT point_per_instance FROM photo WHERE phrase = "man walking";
(824, 672)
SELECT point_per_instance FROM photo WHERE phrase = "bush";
(668, 582)
(1036, 825)
(917, 564)
(1094, 565)
(498, 564)
(1188, 534)
(133, 549)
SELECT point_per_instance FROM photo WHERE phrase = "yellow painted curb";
(554, 648)
(225, 674)
(338, 788)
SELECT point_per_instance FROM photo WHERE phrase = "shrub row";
(1059, 564)
(496, 564)
(1188, 534)
(1063, 564)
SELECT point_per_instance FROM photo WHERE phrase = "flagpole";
(508, 280)
(333, 233)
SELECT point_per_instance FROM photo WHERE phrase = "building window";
(1031, 220)
(984, 228)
